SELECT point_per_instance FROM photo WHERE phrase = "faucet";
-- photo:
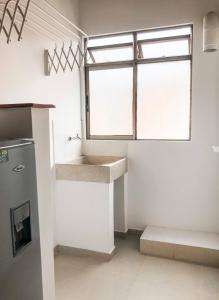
(74, 138)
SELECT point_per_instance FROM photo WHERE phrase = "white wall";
(22, 80)
(85, 211)
(42, 135)
(173, 184)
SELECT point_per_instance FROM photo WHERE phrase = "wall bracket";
(65, 58)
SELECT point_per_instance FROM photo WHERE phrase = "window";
(111, 105)
(138, 85)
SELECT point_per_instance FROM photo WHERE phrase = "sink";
(92, 168)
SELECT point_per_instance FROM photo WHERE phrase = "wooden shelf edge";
(29, 105)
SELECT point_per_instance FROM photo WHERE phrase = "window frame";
(134, 64)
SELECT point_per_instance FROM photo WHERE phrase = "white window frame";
(137, 59)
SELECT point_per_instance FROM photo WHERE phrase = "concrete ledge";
(188, 246)
(83, 252)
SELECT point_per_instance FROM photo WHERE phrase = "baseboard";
(124, 235)
(136, 232)
(59, 249)
(83, 252)
(121, 234)
(56, 250)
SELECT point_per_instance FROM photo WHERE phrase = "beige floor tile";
(133, 276)
(209, 297)
(173, 273)
(210, 281)
(110, 287)
(142, 290)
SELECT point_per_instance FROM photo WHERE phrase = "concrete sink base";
(91, 203)
(92, 169)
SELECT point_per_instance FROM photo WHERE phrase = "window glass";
(111, 54)
(153, 34)
(164, 100)
(111, 101)
(110, 40)
(165, 49)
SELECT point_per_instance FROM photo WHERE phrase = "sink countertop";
(90, 168)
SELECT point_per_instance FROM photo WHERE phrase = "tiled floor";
(132, 276)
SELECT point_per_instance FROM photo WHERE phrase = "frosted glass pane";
(164, 100)
(110, 40)
(111, 94)
(165, 49)
(114, 54)
(164, 33)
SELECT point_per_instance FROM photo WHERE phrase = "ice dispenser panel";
(21, 227)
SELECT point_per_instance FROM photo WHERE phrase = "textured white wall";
(171, 184)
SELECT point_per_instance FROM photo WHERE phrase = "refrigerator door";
(20, 257)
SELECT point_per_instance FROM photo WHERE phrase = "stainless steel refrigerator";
(20, 257)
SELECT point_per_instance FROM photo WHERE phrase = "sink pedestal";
(88, 213)
(120, 205)
(85, 215)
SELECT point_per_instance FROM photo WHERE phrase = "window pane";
(110, 40)
(164, 100)
(165, 49)
(111, 101)
(113, 54)
(164, 33)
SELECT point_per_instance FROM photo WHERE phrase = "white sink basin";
(93, 169)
